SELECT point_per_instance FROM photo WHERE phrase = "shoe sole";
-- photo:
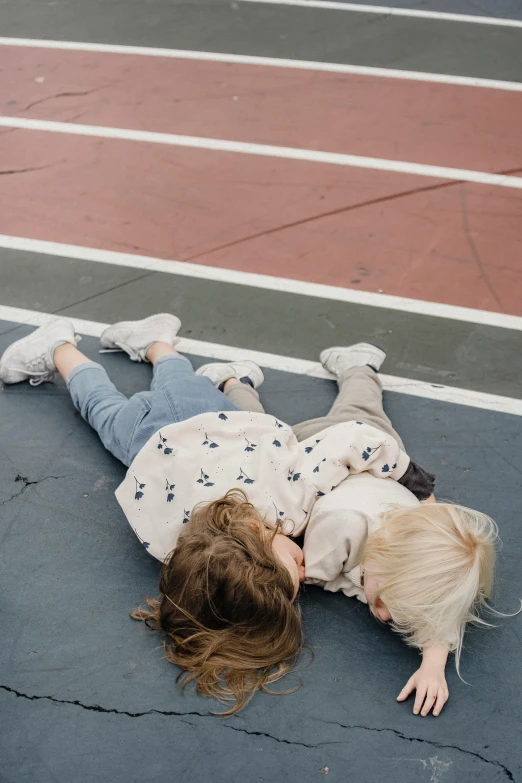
(258, 372)
(159, 317)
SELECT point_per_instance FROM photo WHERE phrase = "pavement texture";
(85, 692)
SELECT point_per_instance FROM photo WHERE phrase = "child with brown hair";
(212, 491)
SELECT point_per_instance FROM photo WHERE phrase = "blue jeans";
(125, 425)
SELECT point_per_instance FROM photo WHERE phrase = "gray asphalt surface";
(406, 43)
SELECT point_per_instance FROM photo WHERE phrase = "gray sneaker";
(31, 357)
(219, 372)
(338, 360)
(135, 337)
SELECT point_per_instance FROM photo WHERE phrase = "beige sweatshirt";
(339, 526)
(200, 459)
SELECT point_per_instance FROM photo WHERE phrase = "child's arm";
(352, 447)
(418, 481)
(429, 681)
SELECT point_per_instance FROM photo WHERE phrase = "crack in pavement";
(105, 291)
(476, 254)
(63, 95)
(433, 743)
(330, 213)
(339, 211)
(31, 168)
(172, 713)
(28, 483)
(97, 708)
(61, 310)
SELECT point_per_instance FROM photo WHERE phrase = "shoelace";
(134, 355)
(38, 371)
(38, 367)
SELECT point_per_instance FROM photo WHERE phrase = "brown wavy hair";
(227, 604)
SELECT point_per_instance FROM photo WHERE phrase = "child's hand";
(430, 683)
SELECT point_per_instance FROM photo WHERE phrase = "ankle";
(158, 349)
(60, 349)
(228, 384)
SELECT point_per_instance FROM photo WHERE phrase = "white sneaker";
(32, 356)
(338, 360)
(135, 337)
(219, 372)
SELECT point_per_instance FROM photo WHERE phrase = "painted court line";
(265, 150)
(266, 282)
(390, 11)
(269, 62)
(289, 364)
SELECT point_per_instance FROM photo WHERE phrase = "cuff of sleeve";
(402, 467)
(356, 576)
(418, 481)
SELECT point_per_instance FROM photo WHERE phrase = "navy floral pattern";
(210, 443)
(170, 495)
(162, 444)
(318, 466)
(139, 489)
(368, 452)
(309, 449)
(204, 479)
(216, 451)
(143, 543)
(243, 477)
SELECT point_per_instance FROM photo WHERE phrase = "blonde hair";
(437, 562)
(227, 604)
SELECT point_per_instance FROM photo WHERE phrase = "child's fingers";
(442, 698)
(429, 702)
(408, 688)
(419, 698)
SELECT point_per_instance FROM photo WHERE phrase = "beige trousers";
(359, 399)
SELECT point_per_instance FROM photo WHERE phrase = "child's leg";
(359, 399)
(124, 426)
(188, 394)
(238, 380)
(243, 396)
(108, 411)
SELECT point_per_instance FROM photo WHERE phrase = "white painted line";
(266, 282)
(269, 62)
(265, 150)
(451, 394)
(390, 11)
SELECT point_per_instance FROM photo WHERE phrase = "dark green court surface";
(431, 45)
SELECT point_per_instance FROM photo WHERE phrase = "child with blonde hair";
(427, 569)
(212, 491)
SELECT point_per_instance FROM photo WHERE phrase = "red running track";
(459, 244)
(454, 243)
(439, 124)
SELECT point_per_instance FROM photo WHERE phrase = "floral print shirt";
(202, 458)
